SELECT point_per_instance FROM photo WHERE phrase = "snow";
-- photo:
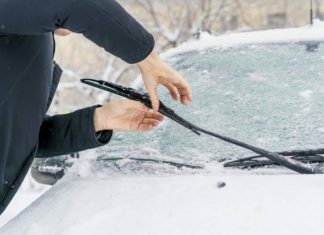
(306, 94)
(206, 41)
(27, 193)
(256, 77)
(187, 204)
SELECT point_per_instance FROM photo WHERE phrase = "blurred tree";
(318, 10)
(173, 22)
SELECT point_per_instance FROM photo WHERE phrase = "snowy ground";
(189, 204)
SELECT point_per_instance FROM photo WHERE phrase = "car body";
(263, 88)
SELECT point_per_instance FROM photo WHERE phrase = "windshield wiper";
(145, 99)
(308, 156)
(178, 165)
(142, 97)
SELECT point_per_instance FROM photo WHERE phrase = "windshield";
(271, 96)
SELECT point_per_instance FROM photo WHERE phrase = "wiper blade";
(145, 99)
(171, 163)
(308, 156)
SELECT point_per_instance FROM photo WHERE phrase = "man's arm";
(63, 134)
(69, 133)
(104, 22)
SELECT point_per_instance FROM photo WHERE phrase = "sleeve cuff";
(104, 136)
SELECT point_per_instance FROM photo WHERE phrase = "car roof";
(309, 33)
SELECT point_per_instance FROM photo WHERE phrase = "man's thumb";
(154, 99)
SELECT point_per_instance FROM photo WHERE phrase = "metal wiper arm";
(145, 99)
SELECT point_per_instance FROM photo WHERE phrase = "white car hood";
(188, 204)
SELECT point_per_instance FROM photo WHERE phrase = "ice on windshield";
(271, 96)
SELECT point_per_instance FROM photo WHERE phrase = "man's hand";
(125, 115)
(154, 72)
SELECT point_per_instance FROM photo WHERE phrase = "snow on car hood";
(190, 204)
(313, 32)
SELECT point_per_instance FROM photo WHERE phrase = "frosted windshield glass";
(271, 96)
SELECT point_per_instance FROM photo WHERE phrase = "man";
(28, 79)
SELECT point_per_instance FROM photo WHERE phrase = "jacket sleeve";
(104, 22)
(70, 133)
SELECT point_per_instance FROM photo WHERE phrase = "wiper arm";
(145, 99)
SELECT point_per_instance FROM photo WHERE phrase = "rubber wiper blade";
(145, 99)
(178, 165)
(307, 156)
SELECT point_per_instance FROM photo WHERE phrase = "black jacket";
(28, 83)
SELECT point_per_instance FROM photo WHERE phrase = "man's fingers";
(185, 100)
(184, 91)
(157, 116)
(146, 127)
(150, 121)
(173, 91)
(183, 88)
(154, 99)
(154, 122)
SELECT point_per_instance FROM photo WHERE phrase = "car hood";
(187, 204)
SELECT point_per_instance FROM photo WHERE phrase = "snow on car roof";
(313, 32)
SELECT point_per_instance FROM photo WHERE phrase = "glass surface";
(271, 96)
